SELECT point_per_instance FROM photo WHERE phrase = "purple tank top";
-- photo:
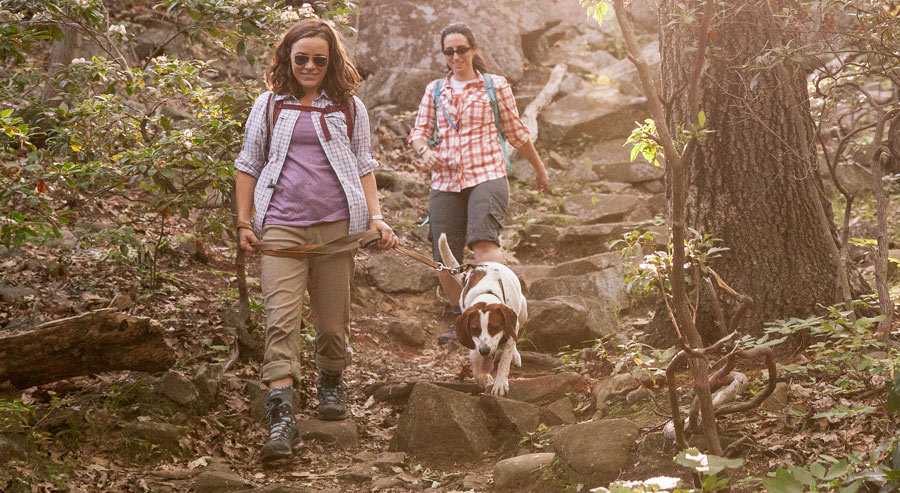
(308, 190)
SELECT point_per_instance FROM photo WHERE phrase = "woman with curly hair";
(304, 176)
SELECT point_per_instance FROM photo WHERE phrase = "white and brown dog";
(493, 309)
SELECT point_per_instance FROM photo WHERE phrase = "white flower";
(306, 10)
(118, 28)
(702, 459)
(79, 61)
(289, 15)
(83, 3)
(188, 134)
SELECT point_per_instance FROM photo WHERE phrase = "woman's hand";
(433, 160)
(248, 239)
(388, 238)
(542, 180)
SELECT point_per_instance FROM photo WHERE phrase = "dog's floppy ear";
(463, 333)
(509, 318)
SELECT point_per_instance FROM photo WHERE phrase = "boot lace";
(331, 389)
(279, 417)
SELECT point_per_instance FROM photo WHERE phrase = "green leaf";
(817, 470)
(701, 118)
(837, 470)
(802, 475)
(783, 482)
(634, 150)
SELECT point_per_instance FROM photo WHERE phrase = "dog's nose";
(484, 350)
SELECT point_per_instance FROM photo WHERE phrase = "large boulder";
(547, 388)
(595, 449)
(392, 273)
(521, 471)
(623, 75)
(443, 426)
(606, 287)
(610, 207)
(594, 110)
(572, 321)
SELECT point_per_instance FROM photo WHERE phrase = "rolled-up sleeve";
(424, 126)
(361, 143)
(252, 158)
(514, 129)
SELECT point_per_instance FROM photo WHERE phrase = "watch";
(421, 150)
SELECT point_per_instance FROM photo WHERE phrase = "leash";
(347, 243)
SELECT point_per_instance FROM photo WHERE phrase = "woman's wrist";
(376, 217)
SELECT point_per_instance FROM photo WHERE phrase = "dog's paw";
(501, 387)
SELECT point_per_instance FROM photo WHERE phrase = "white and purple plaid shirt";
(350, 158)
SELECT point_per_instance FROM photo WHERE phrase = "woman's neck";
(309, 96)
(465, 77)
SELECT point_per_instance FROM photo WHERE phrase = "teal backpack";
(492, 96)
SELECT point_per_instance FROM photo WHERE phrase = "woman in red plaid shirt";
(469, 188)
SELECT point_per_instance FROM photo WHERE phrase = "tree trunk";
(99, 341)
(753, 182)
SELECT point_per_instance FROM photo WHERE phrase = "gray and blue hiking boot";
(284, 436)
(331, 396)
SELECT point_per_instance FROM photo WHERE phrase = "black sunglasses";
(462, 50)
(319, 60)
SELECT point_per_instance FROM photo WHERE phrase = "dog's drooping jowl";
(493, 309)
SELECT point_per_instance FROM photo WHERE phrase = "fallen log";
(530, 115)
(99, 341)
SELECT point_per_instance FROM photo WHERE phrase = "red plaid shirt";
(472, 153)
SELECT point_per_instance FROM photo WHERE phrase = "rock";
(575, 177)
(595, 110)
(403, 87)
(67, 240)
(392, 273)
(580, 447)
(595, 208)
(386, 460)
(520, 471)
(618, 384)
(163, 434)
(473, 482)
(638, 395)
(15, 294)
(408, 332)
(527, 274)
(341, 433)
(443, 426)
(594, 263)
(557, 161)
(547, 388)
(516, 417)
(358, 473)
(397, 393)
(583, 240)
(623, 75)
(779, 398)
(561, 321)
(387, 483)
(13, 446)
(259, 395)
(215, 481)
(177, 387)
(206, 380)
(558, 412)
(539, 362)
(606, 286)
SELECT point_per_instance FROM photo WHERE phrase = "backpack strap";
(270, 124)
(492, 96)
(437, 104)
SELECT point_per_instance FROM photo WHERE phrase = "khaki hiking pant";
(284, 282)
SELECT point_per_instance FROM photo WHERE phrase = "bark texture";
(753, 182)
(95, 342)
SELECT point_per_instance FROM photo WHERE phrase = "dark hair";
(462, 28)
(341, 79)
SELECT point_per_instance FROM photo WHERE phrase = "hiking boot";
(331, 396)
(284, 436)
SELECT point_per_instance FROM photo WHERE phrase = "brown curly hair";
(341, 79)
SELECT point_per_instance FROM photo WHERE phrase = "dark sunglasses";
(319, 60)
(462, 50)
